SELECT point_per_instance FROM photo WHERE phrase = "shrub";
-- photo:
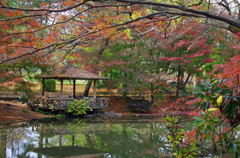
(50, 85)
(46, 113)
(24, 98)
(25, 111)
(58, 116)
(38, 110)
(78, 107)
(138, 105)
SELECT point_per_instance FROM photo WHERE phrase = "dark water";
(136, 137)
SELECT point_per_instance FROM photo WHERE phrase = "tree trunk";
(178, 81)
(186, 81)
(152, 95)
(88, 86)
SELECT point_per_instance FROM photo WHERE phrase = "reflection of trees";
(12, 138)
(118, 139)
(3, 142)
(128, 139)
(135, 140)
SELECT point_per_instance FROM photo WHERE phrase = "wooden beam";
(61, 94)
(74, 89)
(94, 89)
(42, 87)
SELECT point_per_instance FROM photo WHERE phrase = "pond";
(125, 137)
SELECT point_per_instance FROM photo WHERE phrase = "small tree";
(50, 85)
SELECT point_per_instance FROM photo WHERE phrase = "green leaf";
(218, 89)
(195, 154)
(213, 80)
(199, 107)
(214, 95)
(181, 131)
(167, 118)
(204, 127)
(198, 118)
(210, 126)
(197, 133)
(206, 107)
(203, 114)
(201, 123)
(199, 95)
(214, 119)
(225, 137)
(170, 138)
(232, 109)
(174, 130)
(206, 84)
(192, 147)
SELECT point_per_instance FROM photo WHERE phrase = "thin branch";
(182, 8)
(47, 10)
(22, 17)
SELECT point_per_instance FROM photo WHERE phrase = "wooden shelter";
(70, 72)
(69, 152)
(61, 150)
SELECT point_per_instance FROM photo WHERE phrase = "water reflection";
(77, 138)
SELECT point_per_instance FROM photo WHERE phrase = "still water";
(135, 137)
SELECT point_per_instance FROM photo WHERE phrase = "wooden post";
(74, 90)
(41, 140)
(93, 142)
(60, 142)
(61, 94)
(94, 89)
(42, 87)
(72, 140)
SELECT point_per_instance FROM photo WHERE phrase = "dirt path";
(13, 111)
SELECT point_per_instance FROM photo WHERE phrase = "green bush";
(25, 111)
(138, 105)
(58, 116)
(38, 110)
(24, 98)
(78, 107)
(46, 113)
(50, 85)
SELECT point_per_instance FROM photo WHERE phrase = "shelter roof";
(72, 72)
(68, 151)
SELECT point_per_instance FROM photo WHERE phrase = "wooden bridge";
(63, 103)
(66, 129)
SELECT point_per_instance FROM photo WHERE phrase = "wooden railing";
(61, 104)
(97, 103)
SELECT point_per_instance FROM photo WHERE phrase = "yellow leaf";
(219, 100)
(128, 32)
(212, 109)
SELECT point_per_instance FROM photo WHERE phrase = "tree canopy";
(177, 38)
(38, 29)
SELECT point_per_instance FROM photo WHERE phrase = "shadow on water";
(125, 137)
